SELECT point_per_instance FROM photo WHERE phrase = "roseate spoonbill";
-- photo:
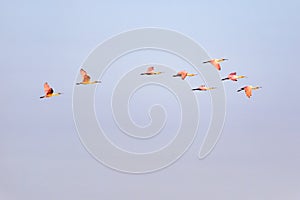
(248, 89)
(150, 71)
(49, 92)
(204, 88)
(216, 62)
(232, 76)
(86, 79)
(183, 74)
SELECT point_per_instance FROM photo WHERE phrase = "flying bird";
(49, 92)
(216, 62)
(204, 88)
(86, 79)
(150, 71)
(183, 74)
(232, 76)
(248, 89)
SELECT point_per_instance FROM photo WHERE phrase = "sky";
(258, 154)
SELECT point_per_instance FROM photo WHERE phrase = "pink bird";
(86, 79)
(216, 62)
(248, 90)
(183, 74)
(204, 88)
(232, 76)
(150, 71)
(49, 92)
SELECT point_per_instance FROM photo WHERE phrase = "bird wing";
(216, 64)
(150, 69)
(86, 78)
(202, 87)
(248, 91)
(47, 89)
(83, 72)
(50, 91)
(183, 75)
(233, 73)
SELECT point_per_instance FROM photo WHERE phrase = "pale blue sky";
(258, 155)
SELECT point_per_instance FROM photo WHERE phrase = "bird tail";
(196, 89)
(206, 62)
(176, 75)
(240, 89)
(223, 79)
(78, 83)
(42, 97)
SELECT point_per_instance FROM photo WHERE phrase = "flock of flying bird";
(86, 79)
(216, 63)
